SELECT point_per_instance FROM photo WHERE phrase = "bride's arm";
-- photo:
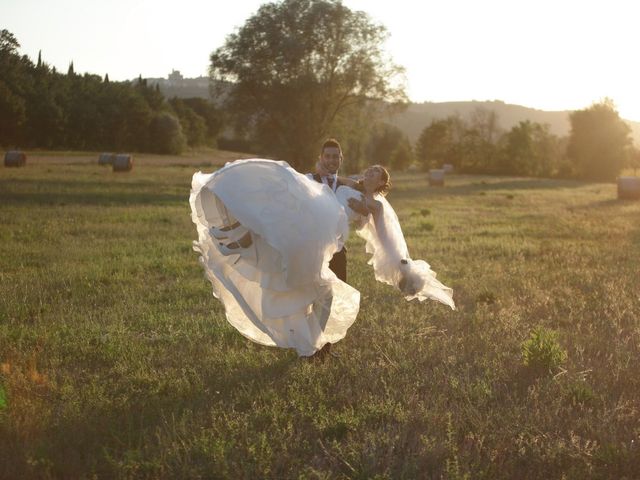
(374, 207)
(349, 182)
(364, 207)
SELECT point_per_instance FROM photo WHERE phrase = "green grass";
(117, 362)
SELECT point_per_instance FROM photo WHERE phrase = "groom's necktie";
(330, 181)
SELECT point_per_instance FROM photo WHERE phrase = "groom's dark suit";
(338, 263)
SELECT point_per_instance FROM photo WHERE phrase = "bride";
(266, 234)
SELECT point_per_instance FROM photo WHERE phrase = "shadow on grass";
(68, 192)
(97, 439)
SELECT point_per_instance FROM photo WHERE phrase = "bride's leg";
(231, 230)
(232, 237)
(224, 213)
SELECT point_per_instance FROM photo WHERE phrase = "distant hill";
(417, 116)
(420, 115)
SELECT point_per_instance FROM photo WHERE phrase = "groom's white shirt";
(325, 180)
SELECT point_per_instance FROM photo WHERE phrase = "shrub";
(426, 226)
(541, 351)
(486, 297)
(581, 393)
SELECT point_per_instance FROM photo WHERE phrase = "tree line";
(598, 146)
(295, 73)
(43, 108)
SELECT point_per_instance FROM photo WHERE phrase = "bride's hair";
(384, 176)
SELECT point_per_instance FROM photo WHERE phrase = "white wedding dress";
(279, 291)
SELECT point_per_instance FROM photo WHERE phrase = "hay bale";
(629, 188)
(122, 162)
(106, 159)
(448, 168)
(15, 158)
(436, 177)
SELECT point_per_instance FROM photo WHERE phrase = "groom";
(326, 172)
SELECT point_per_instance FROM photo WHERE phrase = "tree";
(193, 125)
(44, 125)
(634, 159)
(208, 111)
(402, 155)
(439, 143)
(383, 142)
(297, 66)
(479, 150)
(599, 142)
(8, 43)
(13, 80)
(529, 149)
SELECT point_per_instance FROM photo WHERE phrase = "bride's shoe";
(231, 233)
(237, 247)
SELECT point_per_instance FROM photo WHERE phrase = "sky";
(545, 54)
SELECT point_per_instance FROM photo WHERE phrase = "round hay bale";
(122, 162)
(106, 159)
(448, 168)
(629, 188)
(15, 158)
(436, 177)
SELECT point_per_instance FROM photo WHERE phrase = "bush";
(166, 134)
(426, 226)
(486, 297)
(541, 351)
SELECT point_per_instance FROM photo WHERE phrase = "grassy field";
(117, 362)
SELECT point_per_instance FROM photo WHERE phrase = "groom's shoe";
(321, 355)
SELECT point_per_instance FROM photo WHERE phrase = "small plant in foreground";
(581, 393)
(486, 297)
(542, 351)
(426, 226)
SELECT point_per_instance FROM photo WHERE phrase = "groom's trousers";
(338, 264)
